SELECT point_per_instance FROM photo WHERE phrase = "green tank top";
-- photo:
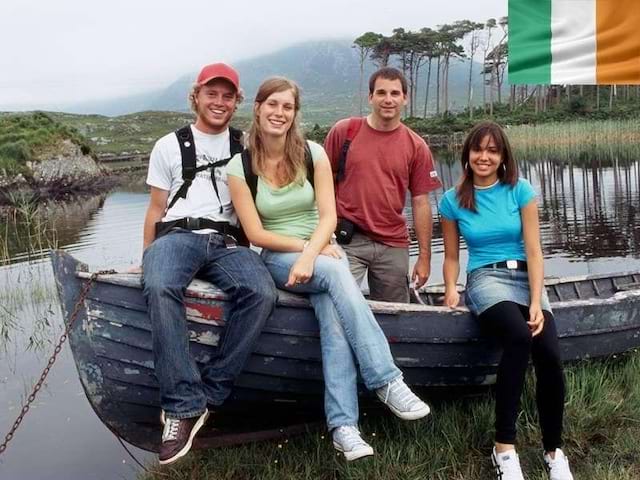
(290, 210)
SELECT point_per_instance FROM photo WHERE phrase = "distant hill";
(327, 71)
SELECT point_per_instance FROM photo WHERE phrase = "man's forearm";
(422, 224)
(149, 231)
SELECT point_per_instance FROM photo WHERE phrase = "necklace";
(485, 187)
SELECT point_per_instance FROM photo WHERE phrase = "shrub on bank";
(25, 137)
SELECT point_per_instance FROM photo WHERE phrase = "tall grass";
(579, 140)
(602, 422)
(27, 293)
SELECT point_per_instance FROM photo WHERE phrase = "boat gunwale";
(197, 290)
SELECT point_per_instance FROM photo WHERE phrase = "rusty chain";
(53, 357)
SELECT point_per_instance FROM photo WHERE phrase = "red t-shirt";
(380, 168)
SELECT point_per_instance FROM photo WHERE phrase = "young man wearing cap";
(198, 233)
(384, 160)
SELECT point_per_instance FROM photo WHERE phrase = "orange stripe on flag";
(618, 41)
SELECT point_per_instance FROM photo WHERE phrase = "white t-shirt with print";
(165, 172)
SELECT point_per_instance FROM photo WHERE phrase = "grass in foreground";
(602, 424)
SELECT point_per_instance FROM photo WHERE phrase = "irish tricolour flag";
(574, 41)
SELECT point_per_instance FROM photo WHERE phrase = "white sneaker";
(402, 401)
(559, 466)
(347, 439)
(507, 465)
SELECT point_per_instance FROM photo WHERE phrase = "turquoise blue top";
(494, 234)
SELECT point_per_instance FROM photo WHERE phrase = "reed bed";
(602, 426)
(28, 298)
(606, 140)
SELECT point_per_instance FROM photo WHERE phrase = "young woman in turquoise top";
(293, 222)
(496, 214)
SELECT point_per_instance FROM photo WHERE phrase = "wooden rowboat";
(597, 315)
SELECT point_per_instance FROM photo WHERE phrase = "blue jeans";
(169, 265)
(349, 333)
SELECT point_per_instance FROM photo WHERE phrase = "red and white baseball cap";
(218, 70)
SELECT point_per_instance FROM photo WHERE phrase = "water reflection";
(103, 230)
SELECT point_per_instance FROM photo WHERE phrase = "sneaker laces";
(350, 436)
(170, 431)
(401, 392)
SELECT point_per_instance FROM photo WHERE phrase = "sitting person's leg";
(169, 265)
(241, 274)
(340, 379)
(507, 323)
(362, 331)
(550, 388)
(332, 276)
(509, 326)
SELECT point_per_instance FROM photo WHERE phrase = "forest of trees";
(481, 43)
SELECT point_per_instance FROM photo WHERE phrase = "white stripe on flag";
(573, 41)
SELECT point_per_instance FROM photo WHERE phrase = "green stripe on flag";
(529, 41)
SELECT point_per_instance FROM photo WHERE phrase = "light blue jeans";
(349, 333)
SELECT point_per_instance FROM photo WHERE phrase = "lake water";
(589, 224)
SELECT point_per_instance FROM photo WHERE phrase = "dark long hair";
(507, 171)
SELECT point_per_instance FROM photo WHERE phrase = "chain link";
(53, 357)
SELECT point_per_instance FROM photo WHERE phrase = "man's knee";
(158, 286)
(257, 281)
(264, 291)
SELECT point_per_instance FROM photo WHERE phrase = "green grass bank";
(602, 422)
(30, 136)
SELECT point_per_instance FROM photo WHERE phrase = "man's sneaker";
(177, 436)
(347, 439)
(507, 465)
(559, 466)
(402, 401)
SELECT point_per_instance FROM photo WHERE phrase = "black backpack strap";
(235, 141)
(308, 161)
(252, 179)
(249, 176)
(188, 154)
(352, 130)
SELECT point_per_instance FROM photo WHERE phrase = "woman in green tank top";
(293, 221)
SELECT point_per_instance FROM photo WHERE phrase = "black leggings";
(507, 321)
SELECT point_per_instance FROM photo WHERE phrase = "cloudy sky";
(64, 51)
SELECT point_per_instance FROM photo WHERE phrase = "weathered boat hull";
(434, 346)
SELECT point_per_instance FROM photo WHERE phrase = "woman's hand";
(331, 250)
(536, 319)
(301, 271)
(451, 298)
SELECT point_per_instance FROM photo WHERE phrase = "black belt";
(519, 265)
(191, 223)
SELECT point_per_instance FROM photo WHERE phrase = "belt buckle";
(512, 264)
(193, 223)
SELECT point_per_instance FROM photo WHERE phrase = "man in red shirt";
(384, 161)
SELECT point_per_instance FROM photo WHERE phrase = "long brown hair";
(294, 163)
(507, 171)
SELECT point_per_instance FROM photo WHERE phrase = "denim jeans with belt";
(169, 265)
(349, 333)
